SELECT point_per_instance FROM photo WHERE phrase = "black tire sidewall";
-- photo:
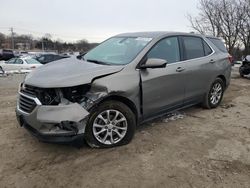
(115, 105)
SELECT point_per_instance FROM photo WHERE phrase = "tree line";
(28, 42)
(228, 19)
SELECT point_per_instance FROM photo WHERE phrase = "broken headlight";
(76, 93)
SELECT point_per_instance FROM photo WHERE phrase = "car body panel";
(57, 114)
(156, 84)
(68, 72)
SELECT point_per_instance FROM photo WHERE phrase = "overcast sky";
(94, 20)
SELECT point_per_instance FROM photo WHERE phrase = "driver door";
(163, 88)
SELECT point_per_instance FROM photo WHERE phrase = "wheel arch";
(123, 100)
(223, 78)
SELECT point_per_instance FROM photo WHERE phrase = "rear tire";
(110, 124)
(215, 94)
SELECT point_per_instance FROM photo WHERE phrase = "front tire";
(111, 124)
(215, 94)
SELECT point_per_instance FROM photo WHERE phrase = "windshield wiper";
(97, 62)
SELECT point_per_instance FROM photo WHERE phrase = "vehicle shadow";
(79, 143)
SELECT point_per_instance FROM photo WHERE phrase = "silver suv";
(125, 81)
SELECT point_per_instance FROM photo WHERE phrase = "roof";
(154, 34)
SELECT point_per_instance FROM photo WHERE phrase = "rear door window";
(193, 47)
(207, 49)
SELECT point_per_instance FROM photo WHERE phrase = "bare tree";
(221, 18)
(47, 36)
(244, 30)
(206, 22)
(45, 42)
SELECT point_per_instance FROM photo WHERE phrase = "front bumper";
(56, 138)
(60, 123)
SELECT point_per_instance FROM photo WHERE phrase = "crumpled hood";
(68, 72)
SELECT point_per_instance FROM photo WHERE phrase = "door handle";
(180, 69)
(212, 61)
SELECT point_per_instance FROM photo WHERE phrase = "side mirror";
(154, 63)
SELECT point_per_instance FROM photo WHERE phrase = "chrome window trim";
(213, 51)
(184, 61)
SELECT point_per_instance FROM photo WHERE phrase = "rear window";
(218, 43)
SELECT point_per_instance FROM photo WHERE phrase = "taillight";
(33, 67)
(230, 58)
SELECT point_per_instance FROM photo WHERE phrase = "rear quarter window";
(218, 43)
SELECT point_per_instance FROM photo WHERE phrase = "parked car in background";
(22, 64)
(47, 58)
(245, 67)
(20, 53)
(6, 54)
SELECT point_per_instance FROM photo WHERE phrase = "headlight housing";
(75, 93)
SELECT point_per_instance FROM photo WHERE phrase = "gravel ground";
(191, 148)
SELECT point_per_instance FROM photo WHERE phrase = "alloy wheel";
(216, 93)
(110, 127)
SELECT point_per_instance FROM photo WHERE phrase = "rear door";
(199, 60)
(163, 88)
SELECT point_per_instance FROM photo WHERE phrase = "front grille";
(26, 104)
(46, 96)
(29, 90)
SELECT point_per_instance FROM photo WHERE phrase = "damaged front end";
(54, 115)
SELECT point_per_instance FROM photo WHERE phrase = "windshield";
(117, 50)
(32, 61)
